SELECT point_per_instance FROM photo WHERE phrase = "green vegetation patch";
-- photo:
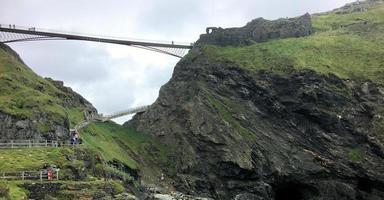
(89, 190)
(35, 159)
(75, 116)
(4, 190)
(224, 114)
(15, 160)
(26, 95)
(123, 143)
(349, 52)
(15, 192)
(356, 155)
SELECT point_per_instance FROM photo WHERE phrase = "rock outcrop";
(258, 30)
(14, 128)
(260, 135)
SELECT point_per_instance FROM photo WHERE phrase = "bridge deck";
(32, 34)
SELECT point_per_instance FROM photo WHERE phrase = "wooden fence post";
(12, 144)
(22, 175)
(41, 175)
(29, 143)
(46, 143)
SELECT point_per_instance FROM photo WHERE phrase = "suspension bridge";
(104, 118)
(12, 33)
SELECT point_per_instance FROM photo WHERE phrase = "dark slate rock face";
(258, 30)
(16, 128)
(42, 190)
(259, 135)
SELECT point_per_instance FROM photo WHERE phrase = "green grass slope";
(110, 140)
(103, 142)
(14, 160)
(123, 144)
(348, 45)
(26, 95)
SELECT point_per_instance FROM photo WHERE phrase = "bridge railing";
(104, 118)
(125, 112)
(17, 27)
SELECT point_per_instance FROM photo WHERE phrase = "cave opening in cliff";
(288, 192)
(293, 191)
(365, 185)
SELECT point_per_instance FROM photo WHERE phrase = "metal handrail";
(17, 27)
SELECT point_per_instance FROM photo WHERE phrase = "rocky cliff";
(298, 118)
(35, 108)
(258, 30)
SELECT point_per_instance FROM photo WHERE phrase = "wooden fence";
(14, 144)
(30, 175)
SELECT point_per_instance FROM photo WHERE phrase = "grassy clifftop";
(347, 44)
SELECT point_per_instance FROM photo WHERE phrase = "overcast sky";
(114, 77)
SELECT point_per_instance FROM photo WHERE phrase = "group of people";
(75, 139)
(12, 26)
